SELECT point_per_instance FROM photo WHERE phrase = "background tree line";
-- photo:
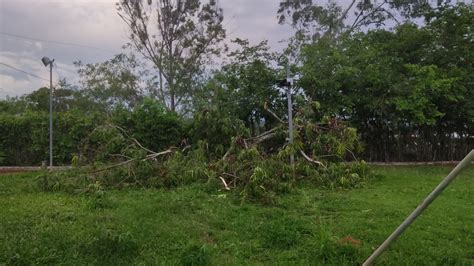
(407, 89)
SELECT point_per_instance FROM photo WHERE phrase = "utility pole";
(289, 83)
(51, 115)
(46, 61)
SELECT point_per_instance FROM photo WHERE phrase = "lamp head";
(46, 61)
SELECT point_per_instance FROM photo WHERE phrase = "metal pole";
(431, 197)
(51, 115)
(290, 115)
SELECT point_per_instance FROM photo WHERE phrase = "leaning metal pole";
(431, 197)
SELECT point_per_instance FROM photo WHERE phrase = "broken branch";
(148, 157)
(273, 114)
(311, 160)
(225, 183)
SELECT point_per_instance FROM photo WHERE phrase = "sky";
(95, 23)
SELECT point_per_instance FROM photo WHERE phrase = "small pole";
(428, 200)
(51, 115)
(290, 113)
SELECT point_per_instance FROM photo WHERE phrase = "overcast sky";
(96, 23)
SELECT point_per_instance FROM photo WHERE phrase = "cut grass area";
(190, 226)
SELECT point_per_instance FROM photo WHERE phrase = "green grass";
(193, 227)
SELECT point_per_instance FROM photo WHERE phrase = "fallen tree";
(323, 149)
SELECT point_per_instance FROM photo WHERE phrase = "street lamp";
(46, 61)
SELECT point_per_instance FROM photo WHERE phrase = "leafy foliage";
(121, 80)
(216, 129)
(151, 124)
(397, 88)
(24, 139)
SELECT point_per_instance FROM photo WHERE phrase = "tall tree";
(120, 80)
(178, 37)
(246, 85)
(406, 91)
(314, 20)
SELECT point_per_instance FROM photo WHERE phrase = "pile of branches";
(247, 167)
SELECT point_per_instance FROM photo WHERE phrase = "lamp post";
(288, 83)
(46, 61)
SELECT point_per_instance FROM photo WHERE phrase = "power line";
(58, 42)
(23, 71)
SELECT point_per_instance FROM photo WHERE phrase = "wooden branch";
(309, 159)
(115, 166)
(264, 136)
(246, 145)
(121, 156)
(357, 22)
(353, 155)
(131, 138)
(148, 157)
(186, 148)
(225, 183)
(231, 175)
(227, 153)
(344, 14)
(273, 114)
(233, 180)
(152, 156)
(340, 20)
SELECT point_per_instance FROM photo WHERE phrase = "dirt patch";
(23, 169)
(12, 170)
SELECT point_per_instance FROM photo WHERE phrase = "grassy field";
(193, 227)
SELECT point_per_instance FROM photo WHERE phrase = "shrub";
(151, 124)
(24, 139)
(217, 129)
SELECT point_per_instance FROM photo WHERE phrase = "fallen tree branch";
(353, 155)
(148, 157)
(186, 148)
(265, 107)
(233, 180)
(227, 153)
(246, 145)
(121, 156)
(264, 136)
(309, 159)
(123, 131)
(225, 183)
(141, 146)
(152, 156)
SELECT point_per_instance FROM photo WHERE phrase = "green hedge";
(24, 139)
